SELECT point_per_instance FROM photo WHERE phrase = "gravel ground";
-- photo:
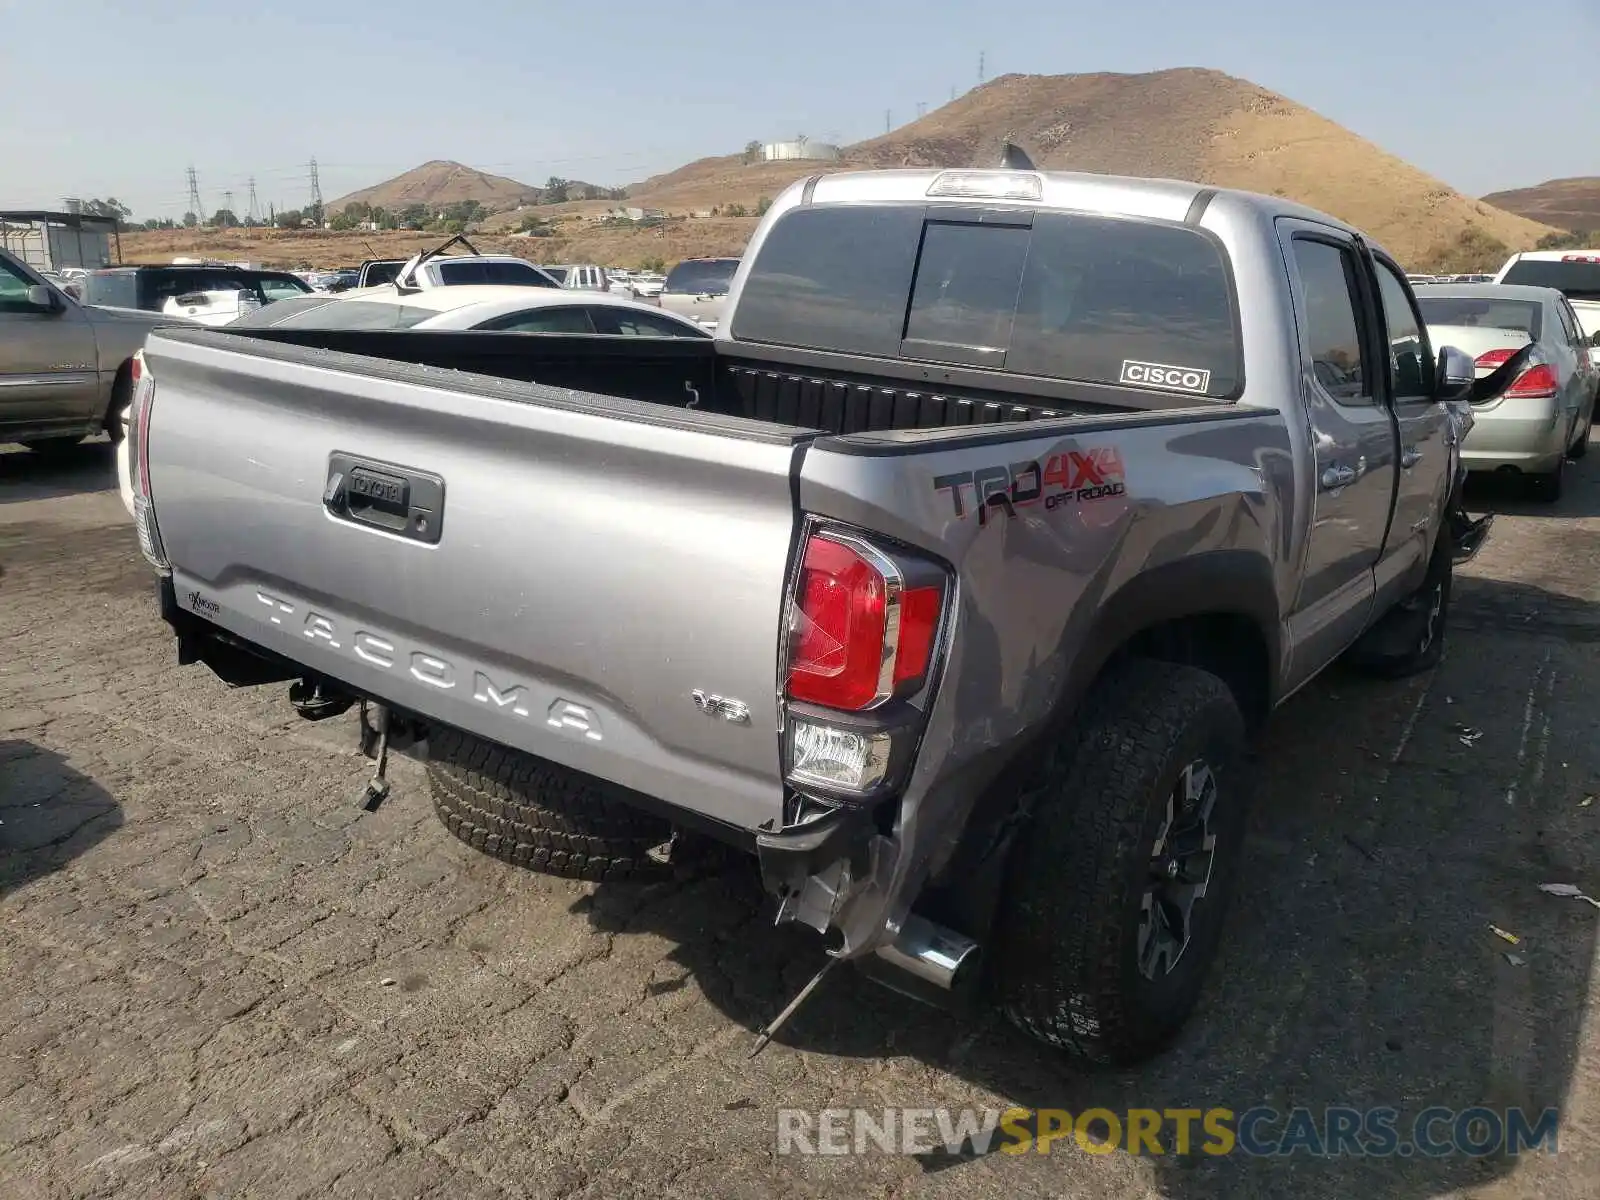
(222, 978)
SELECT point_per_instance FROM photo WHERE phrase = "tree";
(413, 216)
(555, 190)
(313, 213)
(1472, 251)
(735, 210)
(289, 218)
(223, 218)
(534, 224)
(190, 220)
(656, 266)
(1566, 241)
(109, 207)
(752, 153)
(762, 205)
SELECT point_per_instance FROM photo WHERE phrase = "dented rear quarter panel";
(1038, 585)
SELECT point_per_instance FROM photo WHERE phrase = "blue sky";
(1482, 93)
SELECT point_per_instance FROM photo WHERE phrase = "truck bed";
(674, 372)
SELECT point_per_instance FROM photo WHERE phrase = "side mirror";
(42, 295)
(1457, 376)
(1595, 341)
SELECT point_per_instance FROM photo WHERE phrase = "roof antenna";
(1014, 158)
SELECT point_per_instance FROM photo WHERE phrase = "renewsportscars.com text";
(1259, 1132)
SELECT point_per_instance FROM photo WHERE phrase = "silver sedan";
(1544, 419)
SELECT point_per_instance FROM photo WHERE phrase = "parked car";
(946, 580)
(1545, 416)
(697, 288)
(646, 286)
(66, 370)
(151, 288)
(583, 277)
(499, 308)
(1574, 273)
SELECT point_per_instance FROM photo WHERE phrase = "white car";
(216, 306)
(1573, 273)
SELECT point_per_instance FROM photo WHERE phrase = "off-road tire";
(1410, 637)
(1066, 968)
(535, 814)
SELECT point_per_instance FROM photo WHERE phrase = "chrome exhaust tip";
(933, 953)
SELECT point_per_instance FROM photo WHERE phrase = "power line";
(194, 198)
(316, 190)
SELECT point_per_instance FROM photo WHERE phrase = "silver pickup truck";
(948, 579)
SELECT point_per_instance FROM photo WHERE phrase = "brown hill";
(438, 183)
(1187, 124)
(1571, 204)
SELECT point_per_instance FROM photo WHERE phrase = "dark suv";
(151, 287)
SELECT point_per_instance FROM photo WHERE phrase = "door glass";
(1332, 332)
(624, 322)
(280, 289)
(965, 292)
(543, 320)
(13, 291)
(1409, 354)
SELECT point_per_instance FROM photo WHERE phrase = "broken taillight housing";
(144, 516)
(863, 637)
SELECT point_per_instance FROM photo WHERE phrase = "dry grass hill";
(440, 182)
(1189, 124)
(1571, 204)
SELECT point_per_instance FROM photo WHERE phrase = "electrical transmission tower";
(887, 115)
(227, 203)
(980, 66)
(922, 109)
(253, 212)
(316, 192)
(194, 198)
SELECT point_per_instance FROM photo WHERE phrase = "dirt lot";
(222, 978)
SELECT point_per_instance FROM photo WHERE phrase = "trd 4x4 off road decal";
(1077, 476)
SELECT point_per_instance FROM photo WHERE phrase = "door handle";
(1336, 477)
(1410, 456)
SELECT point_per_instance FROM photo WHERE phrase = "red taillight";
(136, 367)
(1536, 383)
(859, 634)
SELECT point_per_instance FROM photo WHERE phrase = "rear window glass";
(1576, 280)
(1521, 316)
(701, 277)
(559, 274)
(340, 314)
(516, 274)
(1097, 299)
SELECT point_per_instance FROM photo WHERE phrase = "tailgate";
(553, 570)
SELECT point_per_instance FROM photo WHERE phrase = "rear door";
(48, 372)
(551, 569)
(1421, 421)
(1353, 440)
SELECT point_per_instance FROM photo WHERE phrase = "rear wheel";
(1118, 894)
(532, 813)
(1580, 444)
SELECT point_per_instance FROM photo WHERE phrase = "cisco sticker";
(1160, 375)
